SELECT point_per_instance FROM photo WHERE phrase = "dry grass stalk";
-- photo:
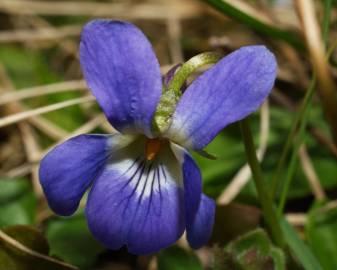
(69, 46)
(52, 130)
(297, 219)
(310, 173)
(41, 123)
(11, 119)
(85, 128)
(31, 146)
(327, 91)
(32, 152)
(40, 34)
(42, 90)
(20, 171)
(115, 10)
(174, 34)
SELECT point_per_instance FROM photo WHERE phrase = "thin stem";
(285, 151)
(293, 162)
(290, 172)
(263, 195)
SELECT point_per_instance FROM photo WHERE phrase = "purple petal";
(67, 171)
(199, 231)
(199, 208)
(192, 181)
(138, 203)
(233, 88)
(122, 72)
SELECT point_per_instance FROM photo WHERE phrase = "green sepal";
(207, 155)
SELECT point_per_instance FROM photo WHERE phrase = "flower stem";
(191, 66)
(263, 195)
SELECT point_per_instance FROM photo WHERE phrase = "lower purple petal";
(138, 203)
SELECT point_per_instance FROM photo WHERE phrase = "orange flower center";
(152, 148)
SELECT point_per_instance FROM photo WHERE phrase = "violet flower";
(146, 189)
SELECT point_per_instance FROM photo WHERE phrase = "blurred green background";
(39, 67)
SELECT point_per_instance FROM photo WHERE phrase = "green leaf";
(252, 251)
(321, 232)
(176, 258)
(13, 257)
(17, 202)
(230, 10)
(299, 248)
(70, 239)
(29, 236)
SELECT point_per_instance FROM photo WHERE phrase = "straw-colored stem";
(11, 119)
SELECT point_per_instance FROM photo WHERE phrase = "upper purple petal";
(233, 88)
(122, 72)
(67, 171)
(138, 203)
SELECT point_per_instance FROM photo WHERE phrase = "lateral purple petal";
(199, 231)
(199, 208)
(122, 72)
(232, 89)
(192, 187)
(68, 170)
(137, 203)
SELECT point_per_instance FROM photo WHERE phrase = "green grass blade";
(230, 10)
(326, 21)
(298, 122)
(299, 248)
(299, 140)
